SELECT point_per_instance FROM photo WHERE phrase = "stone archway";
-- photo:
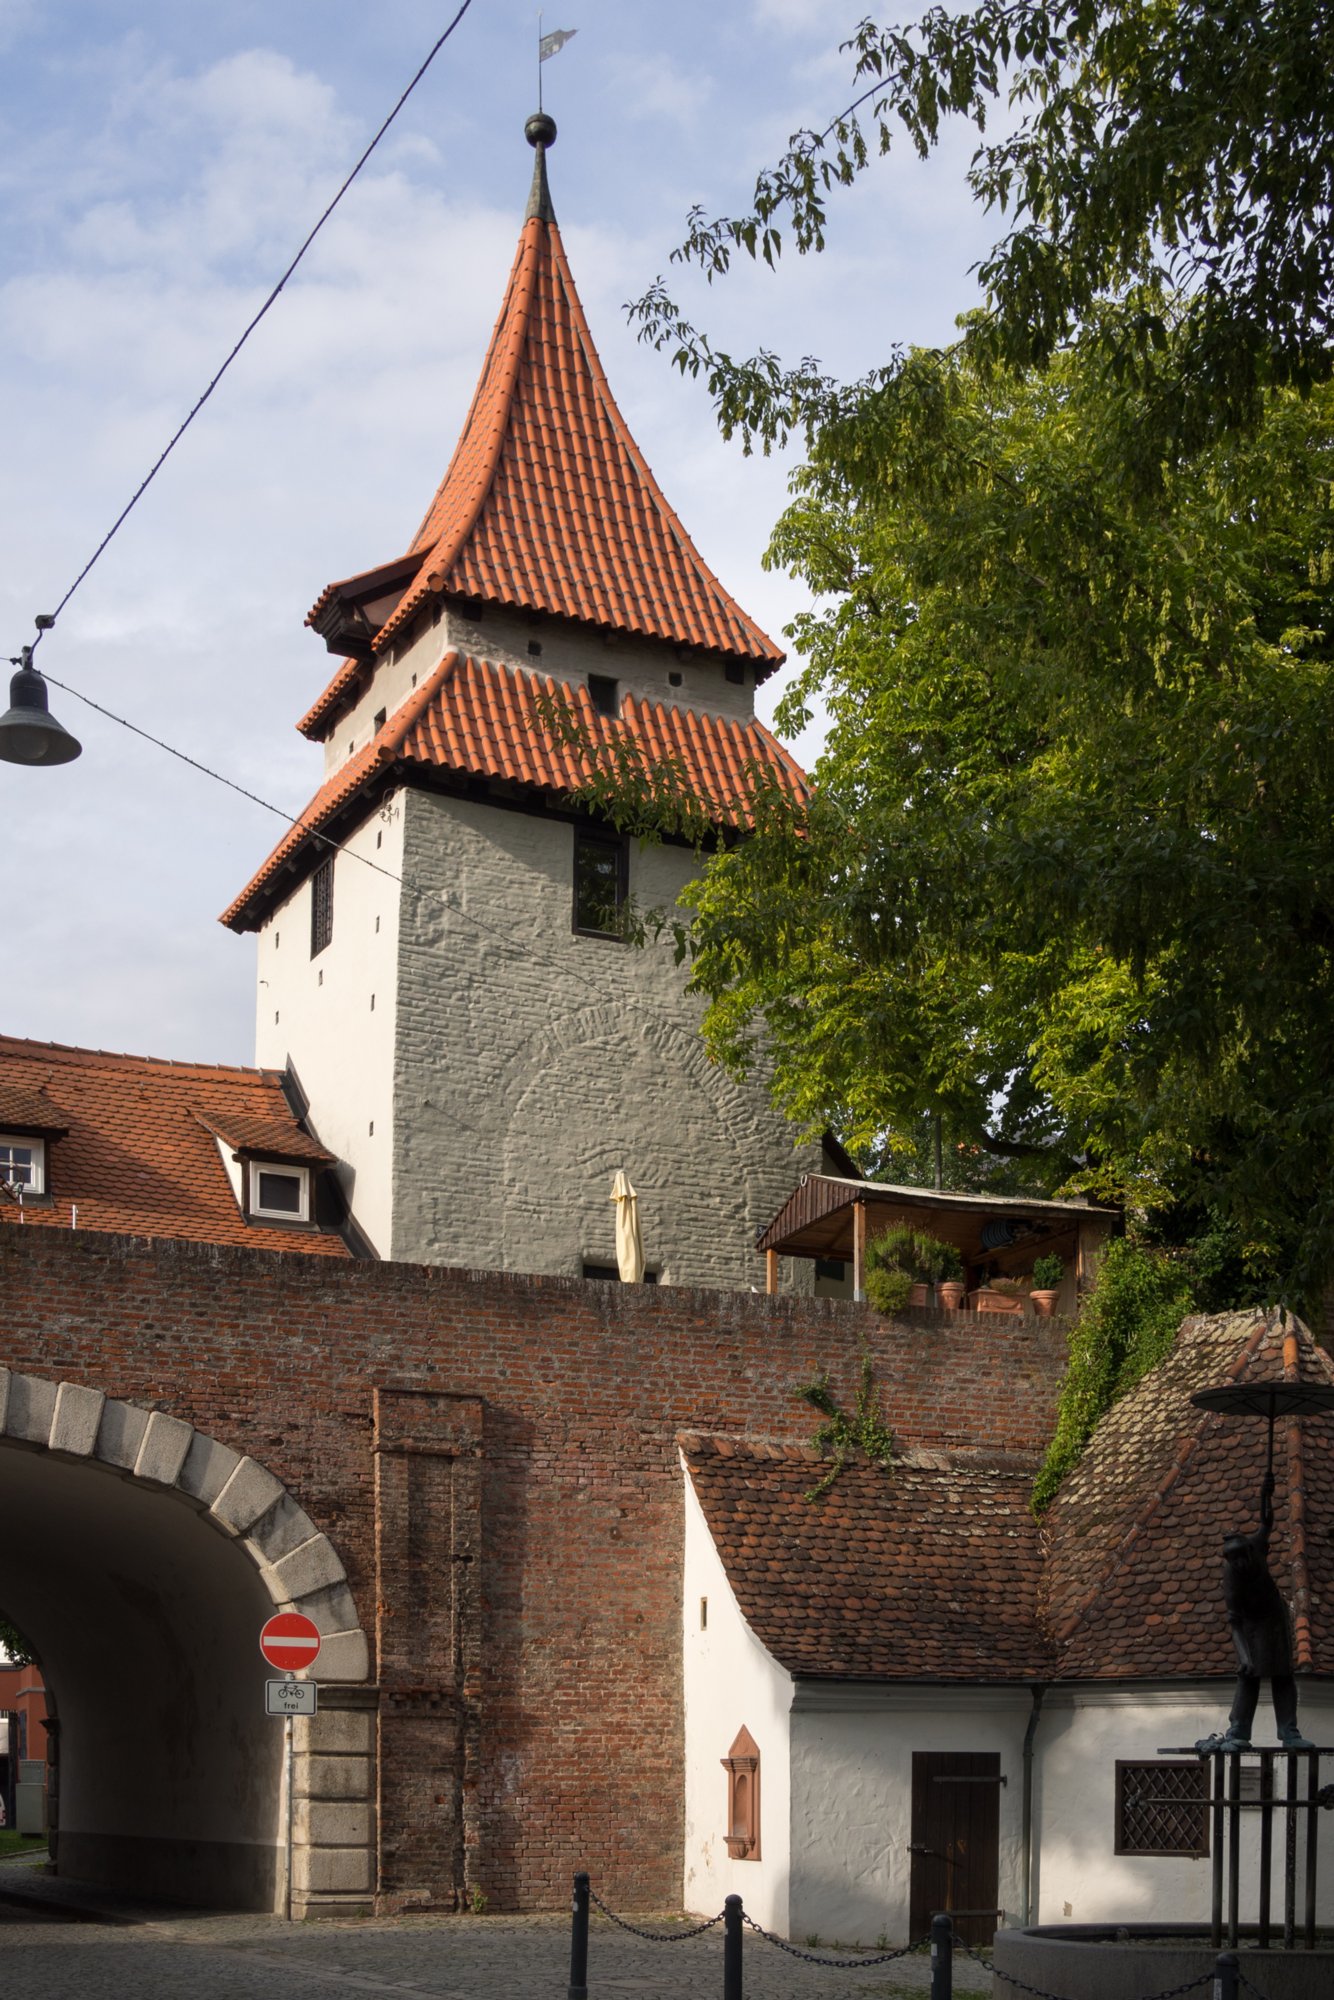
(140, 1557)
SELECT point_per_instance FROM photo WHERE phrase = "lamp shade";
(29, 733)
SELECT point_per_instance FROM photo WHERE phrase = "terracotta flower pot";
(921, 1295)
(949, 1293)
(1044, 1303)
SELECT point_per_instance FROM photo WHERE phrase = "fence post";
(732, 1949)
(942, 1957)
(579, 1941)
(1226, 1970)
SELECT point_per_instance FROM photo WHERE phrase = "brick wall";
(578, 1392)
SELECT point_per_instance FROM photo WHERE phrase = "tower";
(441, 963)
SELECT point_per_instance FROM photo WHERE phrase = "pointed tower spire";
(548, 504)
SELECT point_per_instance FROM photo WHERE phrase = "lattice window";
(1162, 1808)
(321, 907)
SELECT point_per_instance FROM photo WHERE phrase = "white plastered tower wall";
(730, 1682)
(533, 1063)
(332, 1016)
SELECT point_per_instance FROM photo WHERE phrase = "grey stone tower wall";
(532, 1063)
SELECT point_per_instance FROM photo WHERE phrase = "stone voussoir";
(30, 1409)
(75, 1419)
(307, 1568)
(250, 1492)
(120, 1433)
(163, 1449)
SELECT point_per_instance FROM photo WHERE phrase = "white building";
(441, 954)
(931, 1703)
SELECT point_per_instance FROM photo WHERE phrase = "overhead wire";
(436, 898)
(45, 624)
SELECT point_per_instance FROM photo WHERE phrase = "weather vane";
(548, 46)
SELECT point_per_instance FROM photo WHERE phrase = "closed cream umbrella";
(629, 1243)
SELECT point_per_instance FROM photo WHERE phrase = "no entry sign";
(290, 1641)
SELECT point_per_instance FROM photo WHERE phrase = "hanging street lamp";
(29, 733)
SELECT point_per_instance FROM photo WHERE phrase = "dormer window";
(279, 1193)
(22, 1163)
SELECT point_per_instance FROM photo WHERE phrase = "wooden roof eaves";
(845, 1194)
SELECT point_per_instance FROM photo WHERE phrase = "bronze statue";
(1261, 1634)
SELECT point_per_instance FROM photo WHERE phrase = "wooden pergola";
(996, 1235)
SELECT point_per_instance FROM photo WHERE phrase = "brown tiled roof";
(548, 504)
(935, 1570)
(472, 718)
(271, 1138)
(1134, 1568)
(930, 1570)
(139, 1156)
(25, 1110)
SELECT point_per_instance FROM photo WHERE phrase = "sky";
(159, 165)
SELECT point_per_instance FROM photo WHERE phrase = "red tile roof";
(1134, 1570)
(472, 718)
(928, 1570)
(935, 1569)
(548, 504)
(140, 1156)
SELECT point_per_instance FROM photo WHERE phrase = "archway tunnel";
(143, 1608)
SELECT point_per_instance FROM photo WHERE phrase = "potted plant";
(950, 1284)
(902, 1264)
(1048, 1276)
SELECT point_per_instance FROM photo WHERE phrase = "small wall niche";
(742, 1765)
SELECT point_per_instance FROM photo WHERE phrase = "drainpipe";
(1026, 1836)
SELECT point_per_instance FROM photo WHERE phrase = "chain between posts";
(1225, 1980)
(1041, 1993)
(838, 1964)
(653, 1937)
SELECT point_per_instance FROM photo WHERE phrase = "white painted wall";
(533, 1063)
(852, 1751)
(1078, 1877)
(730, 1682)
(318, 1012)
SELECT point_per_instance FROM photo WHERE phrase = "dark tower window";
(604, 693)
(600, 868)
(321, 907)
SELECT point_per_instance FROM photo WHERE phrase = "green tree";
(1182, 151)
(1066, 878)
(13, 1642)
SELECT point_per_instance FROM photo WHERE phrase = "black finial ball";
(540, 129)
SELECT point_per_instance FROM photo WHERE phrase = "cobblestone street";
(55, 1948)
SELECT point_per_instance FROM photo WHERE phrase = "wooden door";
(955, 1843)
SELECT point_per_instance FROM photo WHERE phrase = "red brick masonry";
(582, 1389)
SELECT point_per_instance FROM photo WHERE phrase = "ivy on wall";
(1124, 1329)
